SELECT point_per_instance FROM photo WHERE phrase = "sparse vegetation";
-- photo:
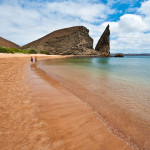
(45, 52)
(26, 47)
(32, 51)
(15, 50)
(10, 50)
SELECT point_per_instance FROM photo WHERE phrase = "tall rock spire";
(103, 45)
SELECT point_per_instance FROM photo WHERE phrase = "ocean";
(116, 89)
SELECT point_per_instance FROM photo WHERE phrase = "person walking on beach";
(35, 59)
(31, 59)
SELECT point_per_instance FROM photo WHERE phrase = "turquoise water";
(133, 68)
(117, 89)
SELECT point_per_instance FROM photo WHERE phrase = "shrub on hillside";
(32, 51)
(45, 52)
(3, 50)
(12, 50)
(6, 50)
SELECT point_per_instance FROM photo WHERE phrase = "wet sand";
(37, 113)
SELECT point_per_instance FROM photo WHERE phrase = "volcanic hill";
(68, 41)
(8, 44)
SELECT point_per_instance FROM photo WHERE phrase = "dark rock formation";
(68, 41)
(119, 55)
(9, 44)
(103, 45)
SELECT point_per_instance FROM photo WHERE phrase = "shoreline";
(110, 98)
(64, 121)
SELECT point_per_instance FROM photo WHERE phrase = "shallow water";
(117, 90)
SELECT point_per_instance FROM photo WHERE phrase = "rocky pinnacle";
(103, 45)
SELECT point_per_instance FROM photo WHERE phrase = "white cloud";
(90, 12)
(132, 23)
(131, 34)
(24, 21)
(144, 9)
(131, 43)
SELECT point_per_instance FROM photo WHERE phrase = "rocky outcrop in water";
(119, 55)
(103, 45)
(9, 44)
(68, 41)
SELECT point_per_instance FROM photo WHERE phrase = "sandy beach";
(38, 113)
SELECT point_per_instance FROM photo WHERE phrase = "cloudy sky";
(23, 21)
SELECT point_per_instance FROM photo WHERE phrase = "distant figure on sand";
(31, 59)
(35, 59)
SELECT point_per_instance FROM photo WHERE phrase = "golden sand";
(37, 113)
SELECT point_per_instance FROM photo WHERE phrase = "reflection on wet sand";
(69, 123)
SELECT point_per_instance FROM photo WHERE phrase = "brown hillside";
(6, 43)
(73, 40)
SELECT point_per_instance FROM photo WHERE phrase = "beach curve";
(46, 115)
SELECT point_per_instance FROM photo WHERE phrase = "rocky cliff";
(68, 41)
(103, 45)
(9, 44)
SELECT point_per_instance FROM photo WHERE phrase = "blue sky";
(23, 21)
